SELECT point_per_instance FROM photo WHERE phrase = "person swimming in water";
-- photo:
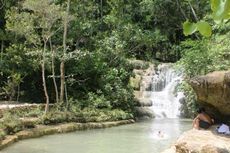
(160, 134)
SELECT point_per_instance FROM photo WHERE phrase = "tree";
(62, 66)
(35, 21)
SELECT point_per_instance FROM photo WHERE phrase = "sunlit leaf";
(226, 14)
(221, 10)
(215, 4)
(204, 28)
(189, 28)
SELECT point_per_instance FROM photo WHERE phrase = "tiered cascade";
(165, 100)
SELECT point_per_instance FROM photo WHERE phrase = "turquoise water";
(141, 137)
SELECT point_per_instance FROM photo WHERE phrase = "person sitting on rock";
(202, 120)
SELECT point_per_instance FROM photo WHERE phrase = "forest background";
(76, 54)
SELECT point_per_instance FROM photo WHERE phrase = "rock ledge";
(201, 141)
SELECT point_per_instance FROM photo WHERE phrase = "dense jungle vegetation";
(76, 53)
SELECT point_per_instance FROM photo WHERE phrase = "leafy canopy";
(220, 13)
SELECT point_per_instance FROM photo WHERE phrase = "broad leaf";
(189, 28)
(215, 4)
(204, 28)
(221, 9)
(226, 14)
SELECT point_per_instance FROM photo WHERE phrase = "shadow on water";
(141, 137)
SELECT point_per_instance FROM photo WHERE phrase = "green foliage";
(189, 28)
(10, 88)
(16, 65)
(2, 134)
(203, 27)
(85, 115)
(188, 104)
(23, 24)
(34, 112)
(220, 13)
(54, 117)
(219, 53)
(95, 115)
(97, 101)
(202, 57)
(26, 111)
(195, 57)
(105, 75)
(10, 123)
(221, 10)
(100, 37)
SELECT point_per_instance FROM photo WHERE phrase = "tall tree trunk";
(53, 71)
(66, 97)
(2, 47)
(62, 66)
(44, 79)
(18, 92)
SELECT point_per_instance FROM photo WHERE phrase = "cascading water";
(165, 102)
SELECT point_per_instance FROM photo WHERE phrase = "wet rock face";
(141, 82)
(214, 89)
(142, 112)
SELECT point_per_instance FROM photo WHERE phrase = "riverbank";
(23, 121)
(42, 130)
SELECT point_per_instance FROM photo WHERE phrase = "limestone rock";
(138, 72)
(201, 141)
(214, 89)
(141, 94)
(135, 82)
(142, 84)
(144, 112)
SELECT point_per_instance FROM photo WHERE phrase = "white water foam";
(165, 101)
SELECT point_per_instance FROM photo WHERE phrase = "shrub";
(119, 115)
(188, 105)
(54, 117)
(97, 100)
(2, 134)
(97, 115)
(11, 123)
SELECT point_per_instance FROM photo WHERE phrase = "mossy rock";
(144, 112)
(135, 82)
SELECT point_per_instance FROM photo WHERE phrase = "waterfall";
(165, 101)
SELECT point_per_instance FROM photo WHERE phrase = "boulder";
(213, 90)
(201, 141)
(142, 94)
(142, 112)
(144, 102)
